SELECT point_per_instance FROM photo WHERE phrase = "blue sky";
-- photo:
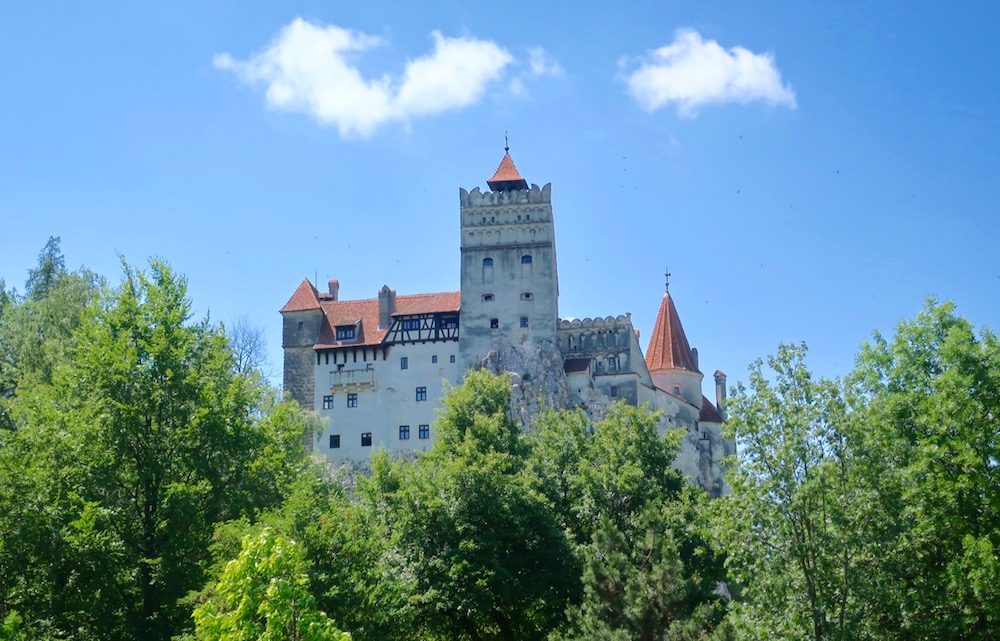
(808, 171)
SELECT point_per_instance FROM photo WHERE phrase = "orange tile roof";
(507, 176)
(365, 312)
(305, 297)
(668, 345)
(709, 413)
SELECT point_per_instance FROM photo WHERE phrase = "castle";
(376, 368)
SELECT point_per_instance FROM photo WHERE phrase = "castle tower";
(302, 318)
(510, 285)
(672, 364)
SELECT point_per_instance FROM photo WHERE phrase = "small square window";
(328, 402)
(526, 260)
(366, 439)
(404, 432)
(334, 441)
(487, 262)
(434, 358)
(494, 323)
(524, 321)
(421, 393)
(677, 389)
(487, 298)
(404, 363)
(526, 296)
(451, 358)
(425, 431)
(352, 400)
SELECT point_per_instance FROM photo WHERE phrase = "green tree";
(144, 440)
(486, 557)
(51, 266)
(932, 444)
(794, 527)
(263, 595)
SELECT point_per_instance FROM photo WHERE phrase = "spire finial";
(666, 279)
(506, 145)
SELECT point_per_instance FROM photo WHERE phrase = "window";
(451, 359)
(434, 358)
(334, 441)
(524, 321)
(404, 432)
(526, 260)
(425, 431)
(493, 219)
(612, 363)
(352, 400)
(487, 298)
(526, 296)
(404, 363)
(487, 262)
(301, 325)
(519, 217)
(677, 389)
(614, 391)
(410, 323)
(328, 402)
(421, 393)
(449, 322)
(527, 216)
(484, 219)
(494, 323)
(366, 439)
(345, 333)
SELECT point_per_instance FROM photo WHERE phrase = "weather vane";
(666, 279)
(506, 145)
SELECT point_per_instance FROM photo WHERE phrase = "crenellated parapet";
(612, 322)
(477, 198)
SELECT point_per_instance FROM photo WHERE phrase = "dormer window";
(345, 333)
(487, 262)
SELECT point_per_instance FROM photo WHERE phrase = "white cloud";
(542, 64)
(307, 68)
(691, 72)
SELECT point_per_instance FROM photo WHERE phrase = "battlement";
(612, 322)
(476, 198)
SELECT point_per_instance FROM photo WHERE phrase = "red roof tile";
(305, 297)
(507, 176)
(365, 312)
(668, 345)
(709, 413)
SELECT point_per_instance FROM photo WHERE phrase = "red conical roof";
(668, 346)
(507, 177)
(305, 297)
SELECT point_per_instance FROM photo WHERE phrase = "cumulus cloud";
(309, 68)
(692, 72)
(542, 64)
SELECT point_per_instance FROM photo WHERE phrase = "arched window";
(487, 262)
(526, 260)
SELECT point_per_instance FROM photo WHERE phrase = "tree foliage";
(263, 595)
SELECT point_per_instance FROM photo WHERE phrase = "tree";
(143, 441)
(933, 443)
(486, 558)
(51, 265)
(794, 527)
(263, 595)
(249, 347)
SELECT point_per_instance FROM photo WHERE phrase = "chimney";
(720, 392)
(386, 306)
(334, 288)
(694, 357)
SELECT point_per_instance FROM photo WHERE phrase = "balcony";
(352, 378)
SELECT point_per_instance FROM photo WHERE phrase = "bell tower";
(510, 285)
